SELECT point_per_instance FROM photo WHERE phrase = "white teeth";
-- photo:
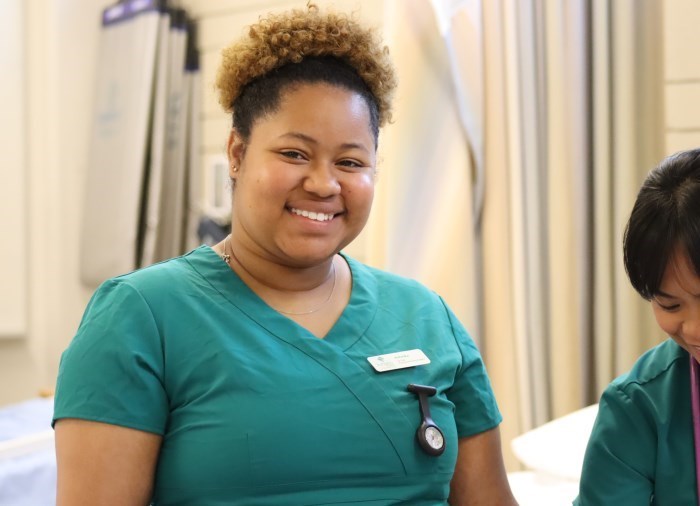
(312, 215)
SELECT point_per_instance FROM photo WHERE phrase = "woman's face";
(677, 305)
(305, 179)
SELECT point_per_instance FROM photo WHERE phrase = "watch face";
(434, 437)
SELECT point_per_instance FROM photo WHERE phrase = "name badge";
(398, 360)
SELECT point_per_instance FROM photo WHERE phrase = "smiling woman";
(273, 368)
(645, 445)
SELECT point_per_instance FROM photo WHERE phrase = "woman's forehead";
(680, 273)
(318, 111)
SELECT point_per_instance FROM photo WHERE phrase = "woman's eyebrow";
(311, 140)
(660, 293)
(300, 136)
(668, 296)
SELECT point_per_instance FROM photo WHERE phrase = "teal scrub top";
(254, 409)
(641, 449)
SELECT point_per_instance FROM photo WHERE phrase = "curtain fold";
(502, 329)
(626, 143)
(597, 355)
(422, 217)
(567, 176)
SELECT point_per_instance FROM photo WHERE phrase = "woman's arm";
(104, 464)
(620, 459)
(480, 476)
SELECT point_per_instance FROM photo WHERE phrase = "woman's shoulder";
(390, 281)
(395, 293)
(162, 277)
(657, 365)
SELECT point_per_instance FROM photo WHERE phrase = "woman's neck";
(270, 274)
(314, 297)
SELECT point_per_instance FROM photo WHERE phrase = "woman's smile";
(313, 215)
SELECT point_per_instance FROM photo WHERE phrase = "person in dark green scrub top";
(272, 369)
(644, 445)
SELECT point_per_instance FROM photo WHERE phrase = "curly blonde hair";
(289, 37)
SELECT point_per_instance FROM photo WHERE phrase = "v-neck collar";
(347, 330)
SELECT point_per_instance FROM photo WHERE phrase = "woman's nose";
(691, 328)
(321, 180)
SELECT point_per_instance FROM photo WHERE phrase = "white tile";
(202, 8)
(218, 31)
(370, 10)
(680, 141)
(210, 64)
(683, 105)
(215, 130)
(681, 39)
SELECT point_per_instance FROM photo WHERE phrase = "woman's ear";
(235, 149)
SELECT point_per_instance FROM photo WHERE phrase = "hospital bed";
(27, 457)
(552, 457)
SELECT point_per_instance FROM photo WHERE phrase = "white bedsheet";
(27, 457)
(552, 455)
(532, 488)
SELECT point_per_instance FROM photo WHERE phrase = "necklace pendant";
(226, 257)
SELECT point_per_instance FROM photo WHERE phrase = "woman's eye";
(350, 163)
(294, 155)
(670, 309)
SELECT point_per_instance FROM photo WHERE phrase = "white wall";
(682, 74)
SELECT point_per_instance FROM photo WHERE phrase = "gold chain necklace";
(227, 258)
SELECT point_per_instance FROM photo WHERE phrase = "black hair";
(262, 95)
(665, 218)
